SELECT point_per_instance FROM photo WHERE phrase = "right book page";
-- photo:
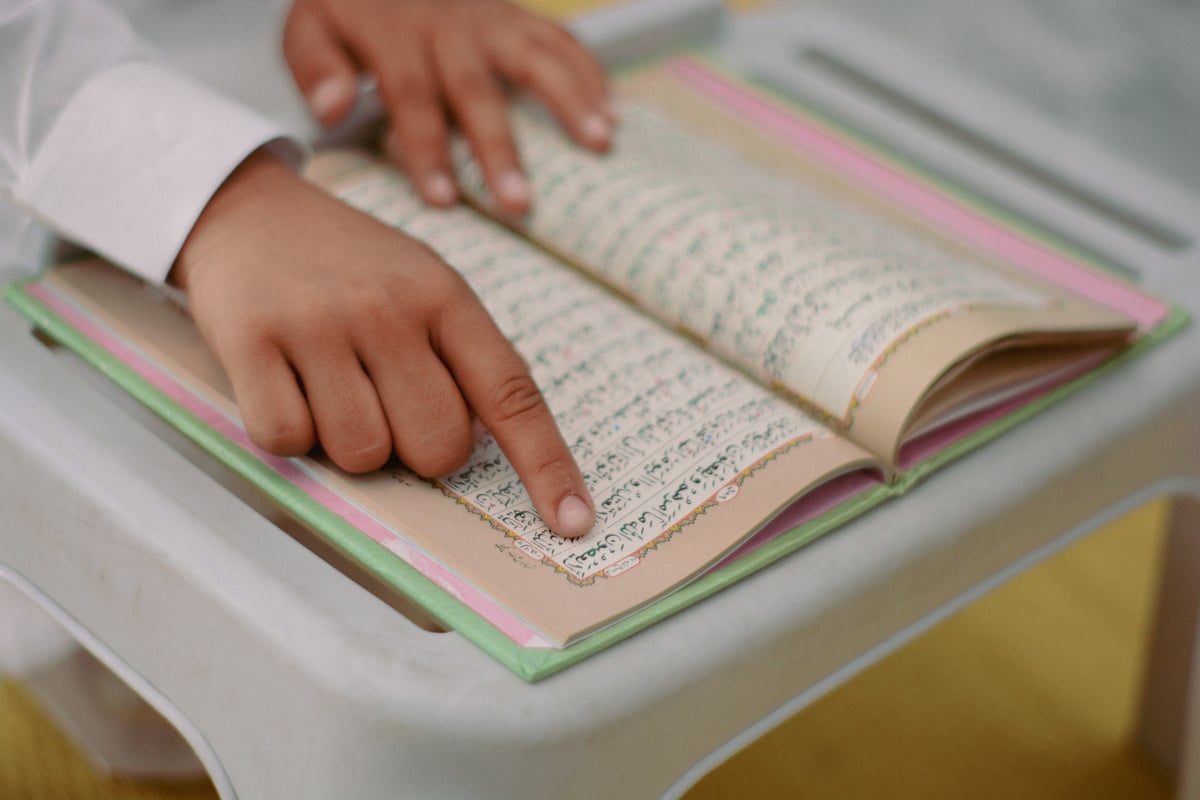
(814, 284)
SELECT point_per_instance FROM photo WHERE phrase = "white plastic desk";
(291, 681)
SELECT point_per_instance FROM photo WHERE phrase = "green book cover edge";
(531, 664)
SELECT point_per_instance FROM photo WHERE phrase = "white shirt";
(105, 143)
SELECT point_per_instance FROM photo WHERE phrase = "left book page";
(685, 457)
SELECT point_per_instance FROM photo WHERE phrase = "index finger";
(419, 138)
(502, 393)
(548, 62)
(477, 99)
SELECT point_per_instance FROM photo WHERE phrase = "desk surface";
(229, 614)
(1121, 74)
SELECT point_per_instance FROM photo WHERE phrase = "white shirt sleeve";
(105, 144)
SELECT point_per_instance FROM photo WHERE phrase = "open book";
(740, 319)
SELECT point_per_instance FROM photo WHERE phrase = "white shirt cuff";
(133, 159)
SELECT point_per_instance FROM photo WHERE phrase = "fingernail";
(574, 516)
(440, 189)
(330, 93)
(595, 129)
(513, 189)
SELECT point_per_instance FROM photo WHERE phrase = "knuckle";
(451, 308)
(362, 458)
(380, 307)
(414, 88)
(312, 335)
(248, 334)
(441, 451)
(454, 289)
(443, 287)
(553, 466)
(297, 318)
(521, 69)
(420, 303)
(362, 311)
(547, 33)
(471, 88)
(517, 399)
(411, 83)
(283, 437)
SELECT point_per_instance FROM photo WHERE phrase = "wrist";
(229, 210)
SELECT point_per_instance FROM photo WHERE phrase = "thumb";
(320, 66)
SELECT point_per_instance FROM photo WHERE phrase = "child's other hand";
(440, 59)
(332, 326)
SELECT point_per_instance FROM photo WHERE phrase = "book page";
(1084, 313)
(802, 290)
(684, 456)
(657, 426)
(812, 265)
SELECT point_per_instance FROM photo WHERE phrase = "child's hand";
(439, 58)
(334, 327)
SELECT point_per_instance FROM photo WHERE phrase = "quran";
(749, 324)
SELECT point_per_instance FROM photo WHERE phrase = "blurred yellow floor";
(1026, 694)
